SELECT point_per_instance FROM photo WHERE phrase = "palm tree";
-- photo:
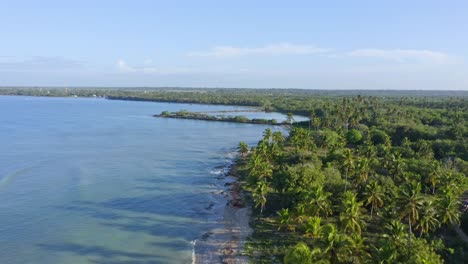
(363, 168)
(410, 202)
(301, 139)
(314, 228)
(358, 249)
(369, 149)
(254, 162)
(406, 145)
(263, 150)
(334, 244)
(395, 231)
(434, 177)
(384, 253)
(348, 164)
(267, 135)
(275, 151)
(319, 202)
(397, 165)
(447, 207)
(265, 171)
(452, 183)
(278, 137)
(259, 195)
(350, 216)
(289, 118)
(285, 220)
(374, 195)
(260, 169)
(428, 218)
(424, 149)
(243, 148)
(299, 254)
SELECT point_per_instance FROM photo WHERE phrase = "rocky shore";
(225, 245)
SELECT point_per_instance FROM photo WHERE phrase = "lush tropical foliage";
(364, 182)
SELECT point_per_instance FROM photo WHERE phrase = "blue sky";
(262, 44)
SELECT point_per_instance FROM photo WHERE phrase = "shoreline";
(254, 107)
(226, 244)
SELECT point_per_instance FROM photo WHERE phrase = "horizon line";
(213, 88)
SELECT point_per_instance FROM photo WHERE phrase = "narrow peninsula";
(183, 114)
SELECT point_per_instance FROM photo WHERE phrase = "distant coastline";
(295, 101)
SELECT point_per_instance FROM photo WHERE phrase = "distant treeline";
(296, 101)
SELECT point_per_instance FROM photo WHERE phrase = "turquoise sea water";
(101, 181)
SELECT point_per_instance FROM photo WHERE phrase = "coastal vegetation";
(363, 182)
(184, 114)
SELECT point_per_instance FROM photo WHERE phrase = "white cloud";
(124, 67)
(403, 55)
(273, 49)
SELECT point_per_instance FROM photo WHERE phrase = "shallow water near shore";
(101, 181)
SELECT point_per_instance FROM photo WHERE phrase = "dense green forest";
(373, 177)
(368, 180)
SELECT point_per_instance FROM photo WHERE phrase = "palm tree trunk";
(409, 237)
